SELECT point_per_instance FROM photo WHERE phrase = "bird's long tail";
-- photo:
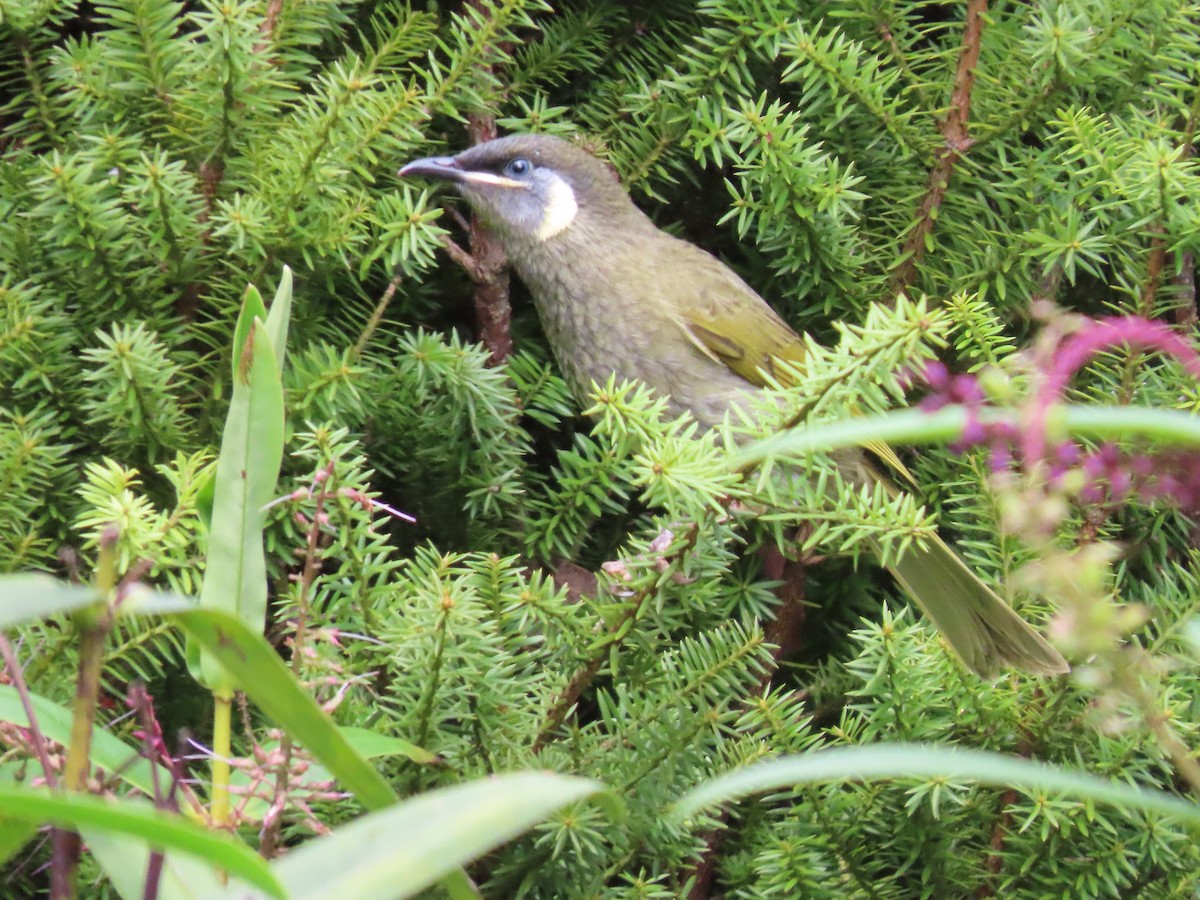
(981, 628)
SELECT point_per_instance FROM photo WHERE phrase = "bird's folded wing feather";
(728, 322)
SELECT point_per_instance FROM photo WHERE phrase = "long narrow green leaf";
(253, 309)
(925, 761)
(372, 744)
(126, 860)
(258, 670)
(24, 598)
(280, 316)
(155, 828)
(14, 835)
(400, 851)
(108, 751)
(235, 575)
(912, 426)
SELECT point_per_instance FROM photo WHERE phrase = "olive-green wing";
(732, 325)
(728, 322)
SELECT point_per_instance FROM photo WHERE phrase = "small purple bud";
(973, 432)
(936, 375)
(966, 389)
(1141, 465)
(1120, 484)
(1093, 466)
(1068, 454)
(933, 402)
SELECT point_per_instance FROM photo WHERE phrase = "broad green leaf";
(108, 752)
(14, 835)
(402, 850)
(235, 575)
(125, 860)
(253, 309)
(24, 598)
(156, 829)
(280, 316)
(258, 670)
(372, 744)
(884, 761)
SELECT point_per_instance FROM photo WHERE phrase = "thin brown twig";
(1154, 268)
(376, 316)
(267, 29)
(574, 688)
(140, 700)
(36, 737)
(62, 841)
(461, 256)
(1185, 286)
(273, 824)
(1185, 280)
(956, 142)
(995, 858)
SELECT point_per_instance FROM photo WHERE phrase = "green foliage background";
(157, 156)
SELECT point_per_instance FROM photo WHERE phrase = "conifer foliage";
(593, 588)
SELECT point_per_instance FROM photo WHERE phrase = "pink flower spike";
(1077, 350)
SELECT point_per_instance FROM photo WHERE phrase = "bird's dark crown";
(586, 173)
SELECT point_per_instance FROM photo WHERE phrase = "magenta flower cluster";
(1111, 474)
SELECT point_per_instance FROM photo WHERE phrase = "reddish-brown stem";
(956, 142)
(17, 675)
(493, 306)
(63, 842)
(267, 29)
(312, 566)
(584, 675)
(1185, 281)
(1185, 285)
(786, 629)
(1154, 268)
(995, 859)
(784, 632)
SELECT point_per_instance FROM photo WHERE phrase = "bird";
(617, 295)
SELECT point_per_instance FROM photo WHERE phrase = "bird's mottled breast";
(613, 313)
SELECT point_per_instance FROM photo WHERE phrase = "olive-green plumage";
(617, 295)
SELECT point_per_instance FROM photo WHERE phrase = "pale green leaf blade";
(258, 670)
(155, 828)
(24, 598)
(126, 860)
(235, 576)
(401, 850)
(108, 751)
(372, 744)
(886, 761)
(280, 315)
(14, 835)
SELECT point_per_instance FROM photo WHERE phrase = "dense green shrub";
(1006, 168)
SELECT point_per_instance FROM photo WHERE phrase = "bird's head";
(529, 188)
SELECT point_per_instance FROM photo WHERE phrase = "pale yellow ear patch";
(560, 209)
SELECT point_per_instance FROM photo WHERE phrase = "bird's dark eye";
(518, 168)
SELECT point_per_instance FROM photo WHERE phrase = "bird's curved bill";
(447, 168)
